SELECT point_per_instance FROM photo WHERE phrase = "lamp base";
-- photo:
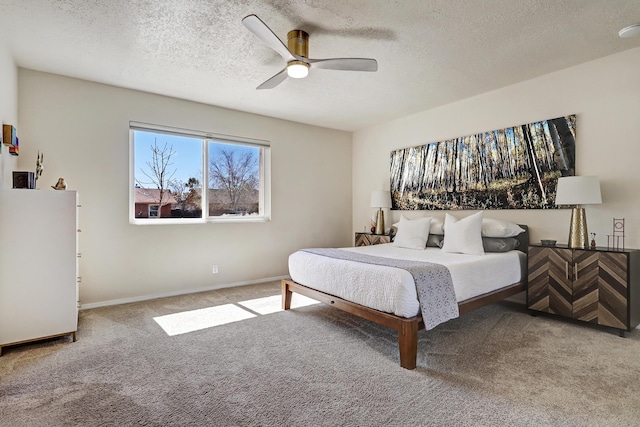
(578, 236)
(380, 222)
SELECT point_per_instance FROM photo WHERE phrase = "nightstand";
(598, 286)
(368, 239)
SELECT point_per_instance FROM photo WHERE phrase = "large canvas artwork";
(511, 168)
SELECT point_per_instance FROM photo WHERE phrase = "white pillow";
(436, 227)
(463, 235)
(499, 228)
(412, 234)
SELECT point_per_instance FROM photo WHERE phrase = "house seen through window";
(153, 210)
(193, 176)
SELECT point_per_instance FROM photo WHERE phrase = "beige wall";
(605, 95)
(82, 128)
(8, 112)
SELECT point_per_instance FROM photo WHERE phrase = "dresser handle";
(566, 270)
(575, 271)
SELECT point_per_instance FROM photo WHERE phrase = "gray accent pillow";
(393, 231)
(499, 244)
(435, 240)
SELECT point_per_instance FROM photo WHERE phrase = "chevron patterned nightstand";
(598, 286)
(368, 239)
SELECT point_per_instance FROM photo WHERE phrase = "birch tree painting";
(511, 168)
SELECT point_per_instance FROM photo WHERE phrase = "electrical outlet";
(215, 269)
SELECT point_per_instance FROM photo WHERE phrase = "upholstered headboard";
(523, 238)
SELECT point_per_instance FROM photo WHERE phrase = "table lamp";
(380, 199)
(576, 191)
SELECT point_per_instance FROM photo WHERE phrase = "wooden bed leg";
(286, 296)
(408, 344)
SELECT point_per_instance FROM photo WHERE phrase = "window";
(171, 167)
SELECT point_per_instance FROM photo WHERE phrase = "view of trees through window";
(170, 174)
(234, 179)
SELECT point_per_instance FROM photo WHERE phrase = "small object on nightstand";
(593, 240)
(548, 242)
(615, 241)
(576, 191)
(380, 199)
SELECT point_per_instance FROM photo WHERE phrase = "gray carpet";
(317, 366)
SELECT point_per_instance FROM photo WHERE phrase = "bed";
(387, 295)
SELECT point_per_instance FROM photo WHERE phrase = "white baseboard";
(176, 293)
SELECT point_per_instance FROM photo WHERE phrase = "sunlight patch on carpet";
(195, 320)
(203, 318)
(273, 304)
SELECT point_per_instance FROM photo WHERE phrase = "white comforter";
(392, 290)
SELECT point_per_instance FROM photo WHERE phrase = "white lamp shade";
(380, 199)
(578, 190)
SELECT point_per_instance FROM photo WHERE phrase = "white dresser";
(38, 265)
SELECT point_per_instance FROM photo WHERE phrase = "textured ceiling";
(429, 53)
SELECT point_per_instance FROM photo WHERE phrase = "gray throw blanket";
(433, 283)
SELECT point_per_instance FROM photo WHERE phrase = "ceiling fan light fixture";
(297, 69)
(296, 54)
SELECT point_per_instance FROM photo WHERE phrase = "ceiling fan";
(297, 54)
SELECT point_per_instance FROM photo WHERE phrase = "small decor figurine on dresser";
(39, 165)
(615, 241)
(593, 241)
(60, 185)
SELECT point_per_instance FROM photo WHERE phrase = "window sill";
(238, 219)
(212, 220)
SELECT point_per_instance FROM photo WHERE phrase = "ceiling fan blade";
(347, 64)
(275, 80)
(264, 33)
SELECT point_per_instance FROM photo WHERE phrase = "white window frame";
(265, 175)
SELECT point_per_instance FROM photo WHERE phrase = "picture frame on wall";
(14, 150)
(511, 168)
(8, 135)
